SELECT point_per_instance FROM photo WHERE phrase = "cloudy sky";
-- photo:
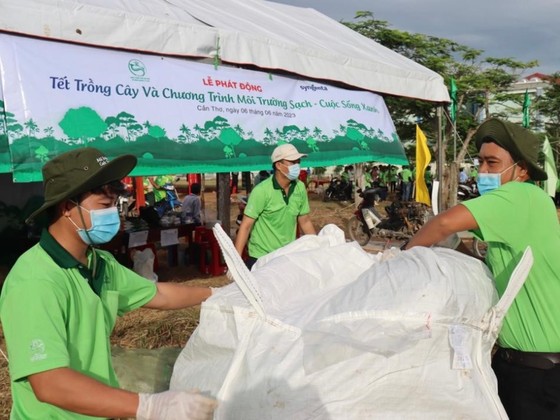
(520, 29)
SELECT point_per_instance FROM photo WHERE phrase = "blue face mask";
(489, 182)
(293, 172)
(105, 224)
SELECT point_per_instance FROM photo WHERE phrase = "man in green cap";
(61, 299)
(511, 214)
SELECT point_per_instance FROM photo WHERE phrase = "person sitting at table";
(61, 299)
(192, 205)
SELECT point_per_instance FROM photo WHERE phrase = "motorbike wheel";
(357, 231)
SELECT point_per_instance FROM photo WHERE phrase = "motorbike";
(338, 190)
(403, 219)
(171, 201)
(466, 191)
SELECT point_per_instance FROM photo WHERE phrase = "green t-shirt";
(160, 181)
(406, 175)
(510, 218)
(428, 176)
(275, 215)
(52, 318)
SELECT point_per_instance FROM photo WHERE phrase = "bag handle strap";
(492, 321)
(239, 271)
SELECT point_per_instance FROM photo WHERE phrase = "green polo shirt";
(406, 175)
(160, 181)
(53, 318)
(510, 218)
(275, 215)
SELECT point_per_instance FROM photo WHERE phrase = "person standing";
(61, 299)
(511, 214)
(276, 207)
(158, 184)
(190, 209)
(463, 177)
(429, 179)
(406, 178)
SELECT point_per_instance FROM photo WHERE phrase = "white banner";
(58, 95)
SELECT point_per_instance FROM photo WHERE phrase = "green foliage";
(477, 77)
(82, 123)
(319, 170)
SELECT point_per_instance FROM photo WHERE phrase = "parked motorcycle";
(171, 201)
(338, 190)
(467, 191)
(403, 219)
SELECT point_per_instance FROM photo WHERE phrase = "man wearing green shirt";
(60, 302)
(511, 214)
(275, 208)
(406, 179)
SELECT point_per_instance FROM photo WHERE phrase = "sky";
(522, 30)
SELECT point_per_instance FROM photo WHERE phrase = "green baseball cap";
(78, 171)
(521, 143)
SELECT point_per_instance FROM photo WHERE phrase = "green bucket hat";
(78, 171)
(521, 143)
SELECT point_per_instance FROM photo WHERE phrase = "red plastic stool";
(210, 261)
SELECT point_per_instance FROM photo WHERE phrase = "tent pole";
(441, 157)
(139, 188)
(222, 181)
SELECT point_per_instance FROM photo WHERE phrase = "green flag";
(526, 104)
(453, 95)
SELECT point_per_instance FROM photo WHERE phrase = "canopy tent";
(264, 34)
(250, 33)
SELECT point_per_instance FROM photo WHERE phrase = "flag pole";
(441, 156)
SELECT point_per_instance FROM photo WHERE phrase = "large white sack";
(323, 330)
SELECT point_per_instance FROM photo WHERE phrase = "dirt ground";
(146, 328)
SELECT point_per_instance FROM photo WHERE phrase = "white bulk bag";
(323, 330)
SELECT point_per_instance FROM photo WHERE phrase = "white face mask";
(293, 171)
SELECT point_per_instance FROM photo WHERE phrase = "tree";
(478, 79)
(82, 123)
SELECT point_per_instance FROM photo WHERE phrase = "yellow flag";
(423, 158)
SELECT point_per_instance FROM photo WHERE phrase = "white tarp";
(322, 330)
(268, 35)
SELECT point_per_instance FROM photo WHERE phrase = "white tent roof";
(264, 34)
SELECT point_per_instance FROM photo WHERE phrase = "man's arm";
(243, 233)
(306, 225)
(178, 296)
(456, 219)
(76, 392)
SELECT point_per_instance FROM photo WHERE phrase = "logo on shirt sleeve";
(37, 348)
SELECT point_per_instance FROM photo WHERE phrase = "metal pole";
(441, 156)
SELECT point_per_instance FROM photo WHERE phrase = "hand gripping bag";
(321, 329)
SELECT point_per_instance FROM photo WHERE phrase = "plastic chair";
(210, 258)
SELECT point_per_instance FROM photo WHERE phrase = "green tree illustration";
(354, 131)
(156, 132)
(32, 127)
(13, 127)
(82, 123)
(229, 137)
(129, 123)
(42, 153)
(49, 131)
